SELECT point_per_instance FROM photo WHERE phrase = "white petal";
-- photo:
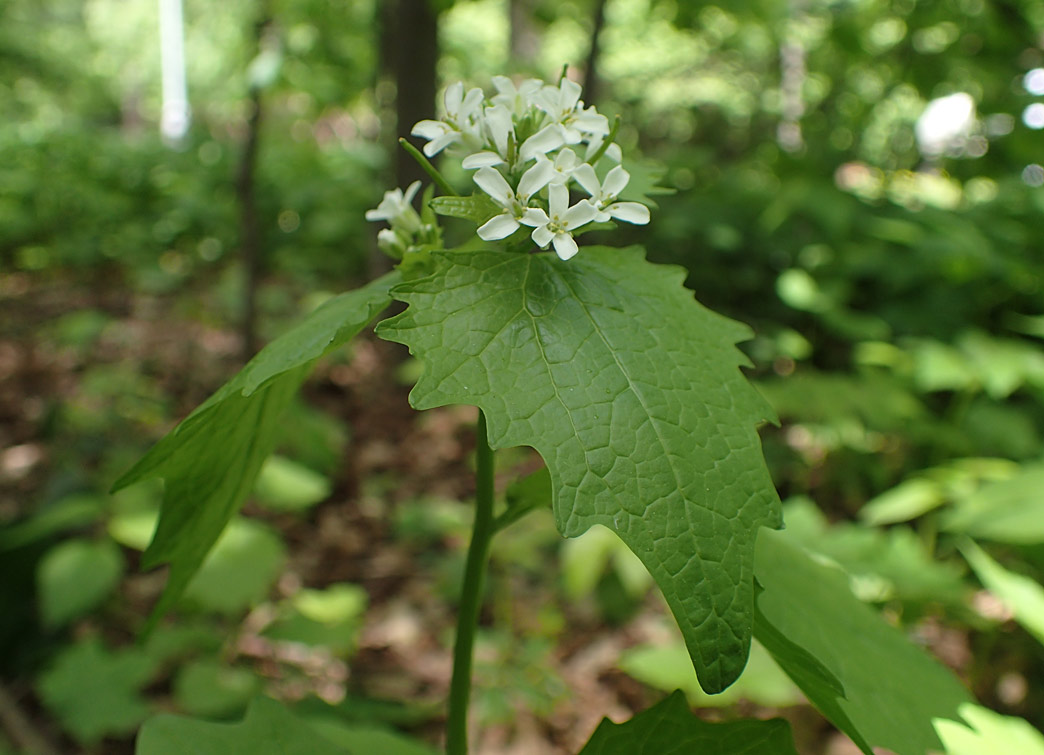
(614, 152)
(471, 102)
(542, 236)
(500, 125)
(453, 97)
(536, 178)
(591, 122)
(491, 182)
(376, 215)
(565, 246)
(498, 227)
(631, 212)
(411, 192)
(615, 181)
(585, 176)
(540, 143)
(481, 160)
(504, 85)
(429, 129)
(582, 213)
(534, 217)
(557, 200)
(435, 146)
(569, 94)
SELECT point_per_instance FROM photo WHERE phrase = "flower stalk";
(471, 595)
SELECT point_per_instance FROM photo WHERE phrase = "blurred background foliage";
(860, 180)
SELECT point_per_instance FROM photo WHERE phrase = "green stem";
(471, 595)
(430, 169)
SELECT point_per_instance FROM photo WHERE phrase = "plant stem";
(430, 169)
(471, 595)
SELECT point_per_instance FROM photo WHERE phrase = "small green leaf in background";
(988, 733)
(211, 459)
(631, 392)
(1023, 596)
(328, 618)
(1005, 511)
(74, 577)
(267, 729)
(210, 689)
(664, 667)
(245, 562)
(95, 693)
(892, 564)
(907, 500)
(585, 559)
(864, 675)
(285, 485)
(669, 728)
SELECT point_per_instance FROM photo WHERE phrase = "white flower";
(457, 122)
(515, 203)
(516, 99)
(560, 221)
(391, 243)
(397, 209)
(563, 106)
(500, 128)
(564, 165)
(603, 195)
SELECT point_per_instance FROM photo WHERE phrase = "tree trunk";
(592, 81)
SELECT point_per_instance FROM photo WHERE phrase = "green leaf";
(524, 495)
(367, 738)
(864, 675)
(238, 572)
(211, 689)
(95, 693)
(907, 500)
(663, 666)
(477, 208)
(75, 576)
(669, 728)
(630, 391)
(211, 459)
(1023, 596)
(989, 733)
(267, 729)
(1006, 511)
(285, 485)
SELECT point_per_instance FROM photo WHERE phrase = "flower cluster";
(407, 229)
(528, 145)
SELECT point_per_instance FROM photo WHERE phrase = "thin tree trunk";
(592, 81)
(416, 55)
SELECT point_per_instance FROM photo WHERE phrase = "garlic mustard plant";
(627, 388)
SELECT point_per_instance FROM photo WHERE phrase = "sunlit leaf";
(285, 485)
(866, 677)
(1022, 595)
(214, 690)
(988, 733)
(669, 728)
(631, 392)
(664, 667)
(1006, 511)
